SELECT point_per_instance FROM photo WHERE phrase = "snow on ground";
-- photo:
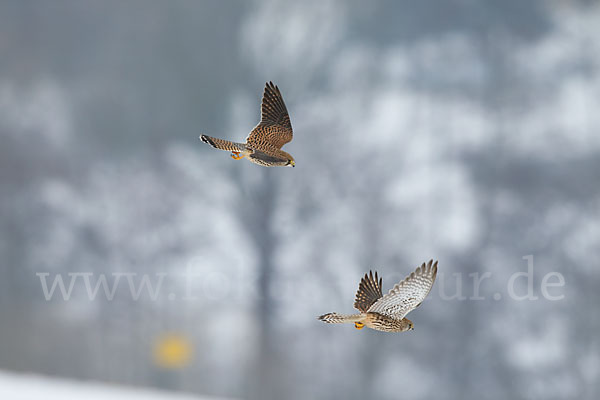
(33, 387)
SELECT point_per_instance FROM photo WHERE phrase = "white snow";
(15, 386)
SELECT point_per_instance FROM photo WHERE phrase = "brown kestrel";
(263, 144)
(387, 313)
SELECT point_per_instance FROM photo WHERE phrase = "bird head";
(291, 163)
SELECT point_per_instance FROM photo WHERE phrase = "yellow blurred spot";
(172, 351)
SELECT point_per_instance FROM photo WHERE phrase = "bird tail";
(223, 144)
(335, 318)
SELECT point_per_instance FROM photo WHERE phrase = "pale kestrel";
(387, 313)
(263, 144)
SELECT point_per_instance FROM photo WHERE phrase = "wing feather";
(275, 126)
(369, 291)
(408, 294)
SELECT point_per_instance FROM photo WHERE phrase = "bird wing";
(408, 294)
(266, 160)
(275, 126)
(369, 291)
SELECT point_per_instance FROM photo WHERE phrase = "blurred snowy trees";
(469, 137)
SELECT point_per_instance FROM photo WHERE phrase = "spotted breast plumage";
(388, 313)
(263, 144)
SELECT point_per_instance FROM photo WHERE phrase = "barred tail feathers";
(335, 318)
(222, 144)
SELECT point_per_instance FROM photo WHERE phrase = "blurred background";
(132, 254)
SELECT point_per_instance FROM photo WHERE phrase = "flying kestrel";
(387, 313)
(263, 144)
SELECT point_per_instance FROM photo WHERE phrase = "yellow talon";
(359, 325)
(236, 156)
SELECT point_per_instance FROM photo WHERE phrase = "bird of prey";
(388, 313)
(263, 144)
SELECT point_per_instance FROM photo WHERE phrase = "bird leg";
(359, 325)
(236, 155)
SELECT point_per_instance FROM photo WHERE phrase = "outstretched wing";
(408, 294)
(369, 291)
(275, 127)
